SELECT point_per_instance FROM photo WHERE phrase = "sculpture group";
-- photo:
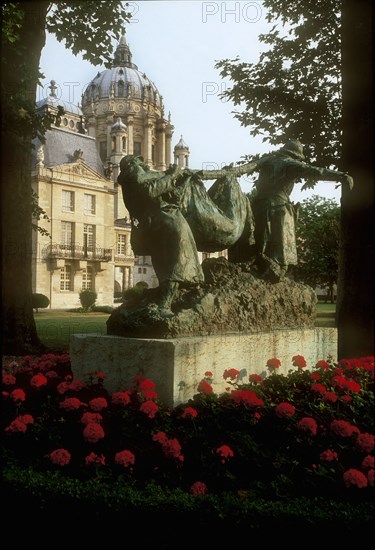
(173, 216)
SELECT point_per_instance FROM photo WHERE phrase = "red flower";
(77, 385)
(8, 379)
(38, 380)
(70, 404)
(172, 449)
(18, 395)
(319, 389)
(314, 376)
(51, 374)
(353, 386)
(60, 457)
(204, 387)
(198, 488)
(308, 424)
(342, 428)
(89, 417)
(340, 382)
(93, 432)
(225, 452)
(353, 477)
(299, 361)
(16, 426)
(149, 394)
(330, 397)
(160, 437)
(95, 460)
(346, 398)
(125, 459)
(62, 388)
(189, 412)
(121, 398)
(256, 378)
(368, 463)
(150, 408)
(208, 374)
(284, 410)
(273, 364)
(98, 403)
(26, 419)
(248, 397)
(100, 375)
(323, 365)
(365, 442)
(231, 373)
(328, 456)
(146, 384)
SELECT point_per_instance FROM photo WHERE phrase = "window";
(67, 201)
(145, 270)
(123, 139)
(67, 233)
(90, 204)
(88, 278)
(137, 149)
(205, 255)
(139, 270)
(66, 281)
(121, 244)
(89, 236)
(103, 150)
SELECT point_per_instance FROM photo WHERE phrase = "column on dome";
(130, 122)
(161, 161)
(148, 142)
(109, 122)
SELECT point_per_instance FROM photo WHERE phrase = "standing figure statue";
(274, 213)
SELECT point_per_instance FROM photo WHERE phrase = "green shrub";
(87, 298)
(39, 301)
(102, 309)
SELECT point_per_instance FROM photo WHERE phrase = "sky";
(177, 43)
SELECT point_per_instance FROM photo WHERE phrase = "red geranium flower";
(89, 417)
(323, 365)
(343, 428)
(365, 442)
(38, 380)
(284, 410)
(77, 385)
(208, 374)
(355, 478)
(189, 412)
(51, 374)
(273, 364)
(93, 432)
(16, 426)
(160, 437)
(199, 488)
(149, 394)
(204, 387)
(121, 398)
(95, 460)
(150, 408)
(146, 384)
(330, 397)
(60, 457)
(172, 449)
(231, 373)
(26, 419)
(125, 459)
(314, 376)
(328, 456)
(248, 397)
(319, 388)
(225, 452)
(353, 386)
(368, 463)
(299, 361)
(18, 395)
(308, 424)
(62, 388)
(346, 399)
(98, 403)
(8, 379)
(71, 404)
(256, 378)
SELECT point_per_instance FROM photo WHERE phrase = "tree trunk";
(355, 300)
(20, 70)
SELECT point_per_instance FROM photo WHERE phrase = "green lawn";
(55, 327)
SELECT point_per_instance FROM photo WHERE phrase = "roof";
(60, 146)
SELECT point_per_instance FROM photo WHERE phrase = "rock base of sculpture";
(176, 366)
(232, 299)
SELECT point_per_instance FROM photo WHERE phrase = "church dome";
(122, 80)
(53, 101)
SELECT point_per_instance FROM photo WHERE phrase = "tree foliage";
(318, 234)
(87, 27)
(294, 89)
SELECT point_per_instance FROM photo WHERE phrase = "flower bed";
(305, 435)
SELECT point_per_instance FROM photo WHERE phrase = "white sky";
(176, 43)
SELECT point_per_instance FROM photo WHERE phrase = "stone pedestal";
(176, 366)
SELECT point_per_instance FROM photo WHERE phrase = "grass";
(55, 327)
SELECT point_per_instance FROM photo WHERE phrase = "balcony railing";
(123, 257)
(77, 252)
